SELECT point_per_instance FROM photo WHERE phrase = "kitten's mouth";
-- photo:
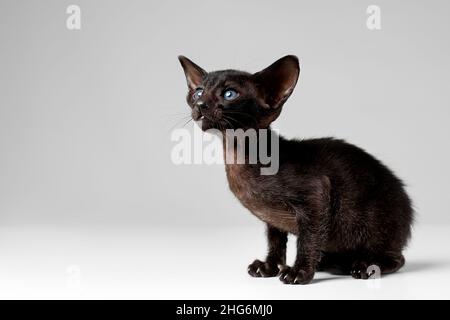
(200, 118)
(205, 123)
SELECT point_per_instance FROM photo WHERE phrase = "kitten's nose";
(202, 105)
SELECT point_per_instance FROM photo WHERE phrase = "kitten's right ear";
(194, 74)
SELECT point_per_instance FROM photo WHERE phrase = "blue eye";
(198, 93)
(230, 95)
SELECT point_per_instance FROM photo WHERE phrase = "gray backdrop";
(86, 116)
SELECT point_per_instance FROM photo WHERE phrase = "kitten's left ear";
(194, 74)
(277, 81)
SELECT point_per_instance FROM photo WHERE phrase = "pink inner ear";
(193, 83)
(194, 74)
(278, 80)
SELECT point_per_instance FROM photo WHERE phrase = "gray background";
(86, 116)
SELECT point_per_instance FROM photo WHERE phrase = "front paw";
(295, 275)
(263, 269)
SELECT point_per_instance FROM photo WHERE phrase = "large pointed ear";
(194, 74)
(277, 81)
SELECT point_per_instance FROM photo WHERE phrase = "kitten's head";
(232, 99)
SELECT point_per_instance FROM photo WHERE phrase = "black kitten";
(348, 210)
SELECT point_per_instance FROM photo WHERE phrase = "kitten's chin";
(205, 124)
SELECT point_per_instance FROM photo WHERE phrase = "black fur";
(348, 210)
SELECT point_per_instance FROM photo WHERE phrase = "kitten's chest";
(252, 190)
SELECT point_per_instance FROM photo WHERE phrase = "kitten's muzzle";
(202, 105)
(203, 110)
(197, 114)
(199, 108)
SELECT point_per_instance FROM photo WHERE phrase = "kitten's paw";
(359, 270)
(294, 275)
(262, 269)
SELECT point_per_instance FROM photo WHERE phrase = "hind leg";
(387, 263)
